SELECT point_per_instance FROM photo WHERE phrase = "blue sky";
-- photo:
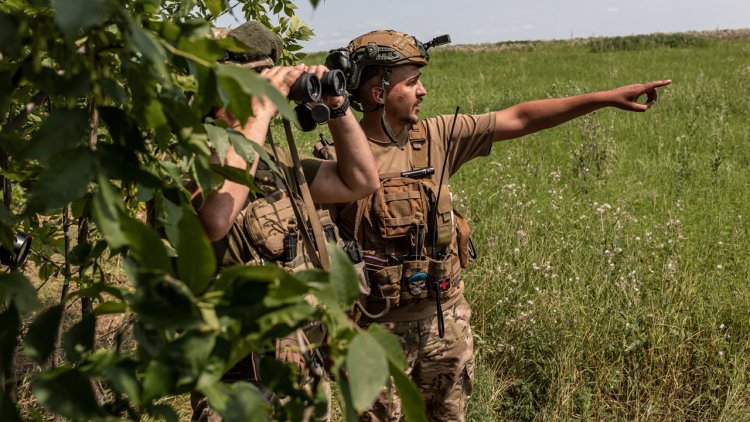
(335, 22)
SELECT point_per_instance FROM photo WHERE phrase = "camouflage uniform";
(442, 368)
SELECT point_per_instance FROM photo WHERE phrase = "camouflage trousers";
(442, 369)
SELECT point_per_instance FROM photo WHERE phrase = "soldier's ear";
(378, 94)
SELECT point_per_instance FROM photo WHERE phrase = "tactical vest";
(266, 230)
(406, 230)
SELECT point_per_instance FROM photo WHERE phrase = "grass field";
(612, 282)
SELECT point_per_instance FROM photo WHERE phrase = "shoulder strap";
(320, 257)
(420, 147)
(320, 239)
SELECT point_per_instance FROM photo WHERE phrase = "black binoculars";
(16, 257)
(307, 90)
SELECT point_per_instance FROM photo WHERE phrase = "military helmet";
(264, 47)
(380, 48)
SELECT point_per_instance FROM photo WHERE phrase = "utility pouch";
(440, 275)
(463, 238)
(398, 203)
(444, 215)
(330, 230)
(385, 281)
(414, 275)
(266, 222)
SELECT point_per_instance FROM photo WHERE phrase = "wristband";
(341, 110)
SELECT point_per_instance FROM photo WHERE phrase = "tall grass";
(613, 277)
(612, 282)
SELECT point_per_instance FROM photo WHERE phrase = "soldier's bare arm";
(533, 116)
(354, 174)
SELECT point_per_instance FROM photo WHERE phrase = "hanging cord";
(441, 321)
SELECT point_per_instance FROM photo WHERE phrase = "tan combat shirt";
(472, 137)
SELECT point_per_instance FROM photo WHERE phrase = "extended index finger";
(657, 84)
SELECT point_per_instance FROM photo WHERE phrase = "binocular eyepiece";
(307, 90)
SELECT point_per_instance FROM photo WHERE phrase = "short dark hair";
(368, 73)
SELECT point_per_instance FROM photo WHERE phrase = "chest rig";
(406, 229)
(272, 228)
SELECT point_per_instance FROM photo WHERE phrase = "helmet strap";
(403, 136)
(400, 138)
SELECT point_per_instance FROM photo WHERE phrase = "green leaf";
(122, 128)
(236, 175)
(412, 403)
(343, 276)
(245, 403)
(80, 338)
(123, 378)
(189, 354)
(219, 140)
(46, 270)
(65, 180)
(216, 7)
(61, 130)
(258, 150)
(345, 392)
(107, 211)
(120, 162)
(242, 146)
(286, 289)
(16, 287)
(10, 322)
(145, 245)
(285, 320)
(196, 262)
(95, 290)
(75, 15)
(67, 391)
(169, 214)
(150, 48)
(393, 349)
(157, 381)
(239, 84)
(40, 339)
(367, 366)
(109, 307)
(79, 254)
(202, 173)
(164, 303)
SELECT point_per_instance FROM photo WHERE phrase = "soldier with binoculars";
(270, 227)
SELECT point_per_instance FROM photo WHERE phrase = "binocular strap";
(319, 257)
